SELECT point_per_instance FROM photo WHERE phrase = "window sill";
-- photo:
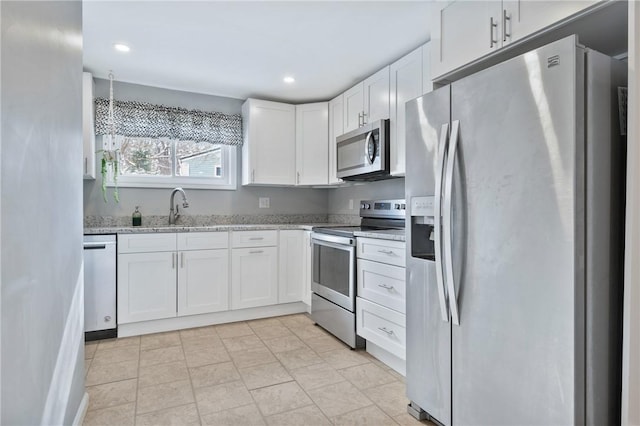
(174, 184)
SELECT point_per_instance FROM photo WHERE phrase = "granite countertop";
(383, 234)
(211, 228)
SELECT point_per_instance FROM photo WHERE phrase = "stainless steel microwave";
(363, 153)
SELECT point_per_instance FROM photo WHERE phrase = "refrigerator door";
(428, 335)
(517, 234)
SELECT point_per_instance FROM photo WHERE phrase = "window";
(166, 163)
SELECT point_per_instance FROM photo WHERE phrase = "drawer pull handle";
(384, 329)
(389, 252)
(387, 287)
(256, 238)
(256, 251)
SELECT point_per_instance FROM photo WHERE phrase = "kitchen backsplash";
(205, 220)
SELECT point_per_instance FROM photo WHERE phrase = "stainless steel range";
(333, 302)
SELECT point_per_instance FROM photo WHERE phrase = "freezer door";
(428, 335)
(518, 197)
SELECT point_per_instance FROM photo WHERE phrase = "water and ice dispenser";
(422, 228)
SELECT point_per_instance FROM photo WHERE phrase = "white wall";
(244, 200)
(631, 348)
(41, 230)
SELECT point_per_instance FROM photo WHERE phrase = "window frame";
(228, 180)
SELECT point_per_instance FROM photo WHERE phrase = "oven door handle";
(326, 238)
(337, 246)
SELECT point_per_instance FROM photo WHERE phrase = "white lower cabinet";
(382, 326)
(254, 277)
(308, 268)
(291, 260)
(203, 281)
(146, 286)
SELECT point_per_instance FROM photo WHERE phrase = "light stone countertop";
(383, 234)
(210, 228)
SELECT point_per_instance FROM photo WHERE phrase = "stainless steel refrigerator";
(514, 243)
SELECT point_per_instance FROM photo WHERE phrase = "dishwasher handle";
(94, 246)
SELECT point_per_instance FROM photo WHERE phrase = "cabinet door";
(427, 83)
(462, 32)
(406, 84)
(269, 146)
(353, 107)
(526, 17)
(146, 286)
(254, 277)
(312, 144)
(203, 281)
(291, 261)
(88, 131)
(336, 128)
(376, 96)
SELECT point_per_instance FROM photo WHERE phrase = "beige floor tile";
(202, 342)
(119, 342)
(87, 365)
(408, 420)
(252, 357)
(338, 399)
(161, 356)
(391, 398)
(283, 344)
(264, 375)
(308, 332)
(298, 358)
(367, 376)
(162, 373)
(325, 344)
(106, 373)
(242, 343)
(160, 340)
(234, 329)
(247, 415)
(184, 415)
(120, 415)
(206, 355)
(113, 355)
(309, 415)
(272, 332)
(198, 333)
(371, 415)
(112, 394)
(90, 350)
(316, 376)
(264, 322)
(343, 358)
(214, 374)
(397, 375)
(297, 320)
(280, 398)
(212, 399)
(166, 395)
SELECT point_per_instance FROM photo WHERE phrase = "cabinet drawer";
(391, 252)
(146, 243)
(254, 238)
(383, 284)
(382, 326)
(203, 240)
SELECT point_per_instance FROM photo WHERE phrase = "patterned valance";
(144, 120)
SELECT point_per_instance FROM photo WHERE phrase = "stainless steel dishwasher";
(99, 287)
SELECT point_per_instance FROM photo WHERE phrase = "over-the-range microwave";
(363, 153)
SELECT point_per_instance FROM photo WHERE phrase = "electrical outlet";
(351, 204)
(263, 202)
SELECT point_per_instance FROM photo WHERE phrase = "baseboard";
(398, 364)
(82, 410)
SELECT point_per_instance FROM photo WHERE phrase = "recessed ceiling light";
(288, 79)
(121, 47)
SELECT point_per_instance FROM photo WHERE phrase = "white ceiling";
(243, 49)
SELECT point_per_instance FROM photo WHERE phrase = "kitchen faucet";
(173, 216)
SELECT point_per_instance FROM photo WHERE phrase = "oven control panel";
(383, 208)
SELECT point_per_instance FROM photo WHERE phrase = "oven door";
(333, 275)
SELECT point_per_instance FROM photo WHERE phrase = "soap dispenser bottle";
(136, 217)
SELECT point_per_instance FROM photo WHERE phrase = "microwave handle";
(366, 149)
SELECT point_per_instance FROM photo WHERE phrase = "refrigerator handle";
(446, 222)
(437, 222)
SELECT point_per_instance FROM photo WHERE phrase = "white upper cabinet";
(464, 31)
(406, 84)
(427, 83)
(268, 152)
(312, 144)
(88, 128)
(336, 128)
(376, 96)
(353, 107)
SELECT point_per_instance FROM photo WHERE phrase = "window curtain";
(144, 120)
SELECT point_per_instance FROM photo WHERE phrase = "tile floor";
(276, 371)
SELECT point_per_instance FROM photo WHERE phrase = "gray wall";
(244, 200)
(338, 202)
(41, 213)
